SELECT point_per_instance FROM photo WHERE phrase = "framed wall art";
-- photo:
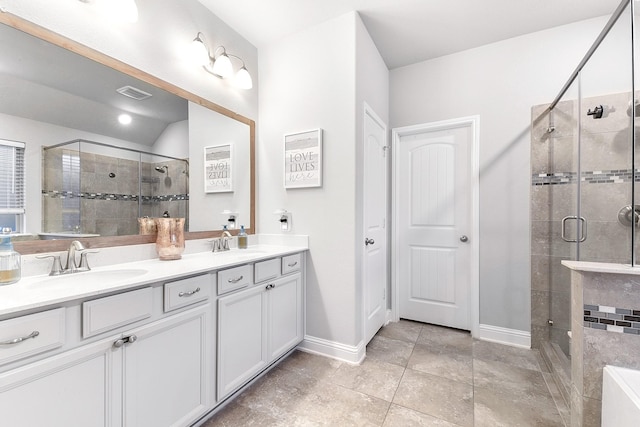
(303, 159)
(218, 168)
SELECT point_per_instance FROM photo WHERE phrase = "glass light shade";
(243, 79)
(222, 66)
(199, 52)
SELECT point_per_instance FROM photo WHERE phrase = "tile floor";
(414, 375)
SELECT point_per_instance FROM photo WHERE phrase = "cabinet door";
(166, 371)
(70, 389)
(285, 320)
(241, 338)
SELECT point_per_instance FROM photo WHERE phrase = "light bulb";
(222, 66)
(199, 51)
(243, 79)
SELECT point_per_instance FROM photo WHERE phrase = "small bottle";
(9, 260)
(242, 238)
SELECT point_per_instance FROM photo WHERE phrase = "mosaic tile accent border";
(616, 176)
(112, 196)
(621, 320)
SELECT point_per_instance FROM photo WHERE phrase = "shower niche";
(92, 189)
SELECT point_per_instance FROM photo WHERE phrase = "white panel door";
(433, 225)
(375, 213)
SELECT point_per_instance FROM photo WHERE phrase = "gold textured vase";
(170, 240)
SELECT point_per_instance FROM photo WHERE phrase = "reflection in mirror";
(41, 110)
(92, 189)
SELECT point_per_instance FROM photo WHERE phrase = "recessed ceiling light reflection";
(124, 119)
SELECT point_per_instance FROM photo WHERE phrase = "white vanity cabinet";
(154, 353)
(75, 388)
(285, 317)
(151, 372)
(158, 375)
(258, 325)
(166, 371)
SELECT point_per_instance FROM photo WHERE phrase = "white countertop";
(602, 267)
(43, 290)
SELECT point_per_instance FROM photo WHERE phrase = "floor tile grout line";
(413, 346)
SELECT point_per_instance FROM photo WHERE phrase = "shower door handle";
(583, 229)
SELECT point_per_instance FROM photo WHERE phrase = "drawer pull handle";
(293, 264)
(236, 280)
(188, 294)
(270, 286)
(125, 340)
(19, 340)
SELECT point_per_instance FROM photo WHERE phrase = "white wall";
(308, 81)
(500, 82)
(173, 141)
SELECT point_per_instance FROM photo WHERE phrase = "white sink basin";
(86, 277)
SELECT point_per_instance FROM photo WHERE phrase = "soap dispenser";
(9, 260)
(242, 238)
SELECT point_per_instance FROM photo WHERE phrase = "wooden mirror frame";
(40, 246)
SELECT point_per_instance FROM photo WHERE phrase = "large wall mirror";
(61, 99)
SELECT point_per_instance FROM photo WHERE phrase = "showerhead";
(162, 169)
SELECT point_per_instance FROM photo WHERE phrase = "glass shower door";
(554, 206)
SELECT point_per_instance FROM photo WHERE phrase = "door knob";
(464, 239)
(368, 241)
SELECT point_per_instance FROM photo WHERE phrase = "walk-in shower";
(100, 189)
(584, 174)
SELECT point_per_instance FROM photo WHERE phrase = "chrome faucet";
(71, 265)
(224, 241)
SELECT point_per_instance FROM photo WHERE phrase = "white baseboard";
(335, 350)
(512, 337)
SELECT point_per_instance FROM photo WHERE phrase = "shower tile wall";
(166, 191)
(99, 203)
(606, 175)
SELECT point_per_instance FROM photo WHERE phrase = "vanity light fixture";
(219, 64)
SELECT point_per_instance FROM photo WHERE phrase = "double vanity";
(147, 343)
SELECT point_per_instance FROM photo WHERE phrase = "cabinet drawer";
(266, 270)
(187, 291)
(32, 334)
(108, 313)
(234, 278)
(291, 263)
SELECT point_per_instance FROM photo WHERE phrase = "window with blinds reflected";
(12, 185)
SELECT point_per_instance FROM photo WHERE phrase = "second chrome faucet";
(222, 243)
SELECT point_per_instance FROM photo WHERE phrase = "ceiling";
(409, 31)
